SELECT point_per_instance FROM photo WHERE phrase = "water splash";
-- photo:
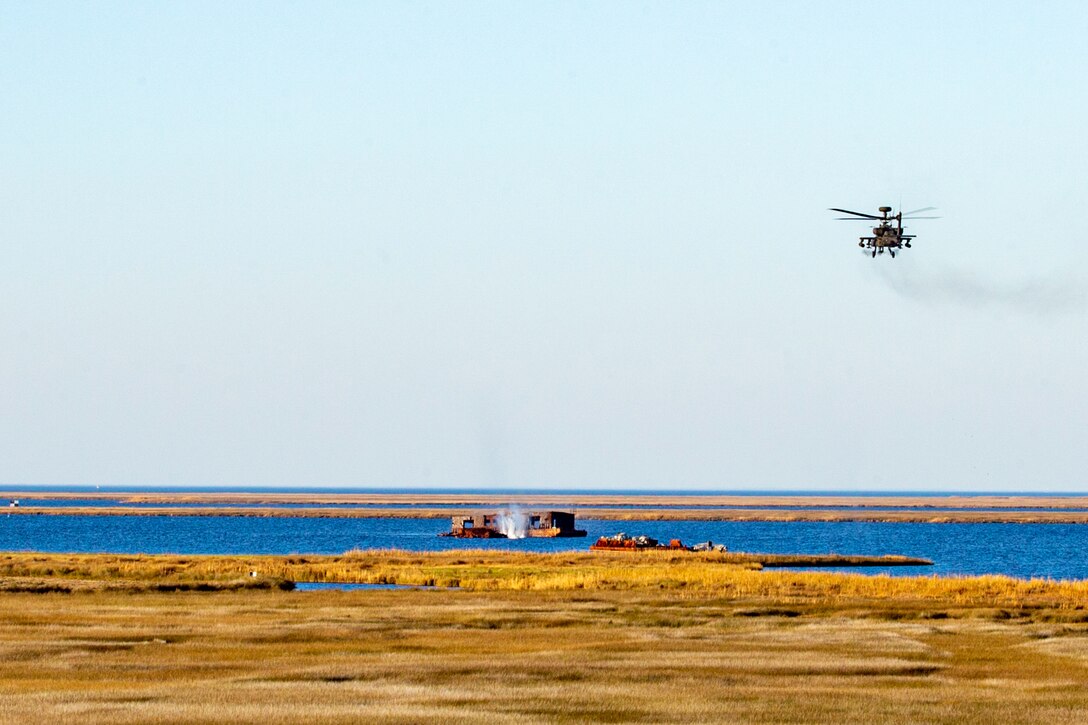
(513, 522)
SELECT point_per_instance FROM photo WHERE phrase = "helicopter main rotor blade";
(920, 217)
(917, 211)
(855, 213)
(855, 219)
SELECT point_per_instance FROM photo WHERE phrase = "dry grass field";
(467, 569)
(690, 641)
(504, 657)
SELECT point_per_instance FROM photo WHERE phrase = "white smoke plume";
(1041, 296)
(514, 523)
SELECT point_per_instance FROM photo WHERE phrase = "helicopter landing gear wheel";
(907, 245)
(874, 254)
(891, 253)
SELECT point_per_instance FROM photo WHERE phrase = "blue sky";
(528, 244)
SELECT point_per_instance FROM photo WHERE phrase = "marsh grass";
(729, 575)
(506, 656)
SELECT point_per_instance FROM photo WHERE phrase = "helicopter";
(885, 235)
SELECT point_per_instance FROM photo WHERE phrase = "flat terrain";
(529, 638)
(868, 515)
(572, 499)
(653, 507)
(467, 569)
(513, 657)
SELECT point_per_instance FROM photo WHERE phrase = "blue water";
(348, 586)
(1022, 550)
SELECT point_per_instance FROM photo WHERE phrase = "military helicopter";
(886, 236)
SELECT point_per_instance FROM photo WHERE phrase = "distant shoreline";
(861, 500)
(527, 490)
(1043, 510)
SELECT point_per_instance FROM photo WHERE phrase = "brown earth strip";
(567, 500)
(609, 514)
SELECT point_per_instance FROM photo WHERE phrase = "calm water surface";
(1023, 550)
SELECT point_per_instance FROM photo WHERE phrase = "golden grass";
(731, 575)
(639, 655)
(584, 637)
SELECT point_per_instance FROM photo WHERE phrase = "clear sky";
(542, 244)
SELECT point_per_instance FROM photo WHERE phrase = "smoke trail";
(1042, 296)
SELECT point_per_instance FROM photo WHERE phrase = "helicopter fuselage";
(886, 236)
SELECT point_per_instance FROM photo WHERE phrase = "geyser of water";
(514, 523)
